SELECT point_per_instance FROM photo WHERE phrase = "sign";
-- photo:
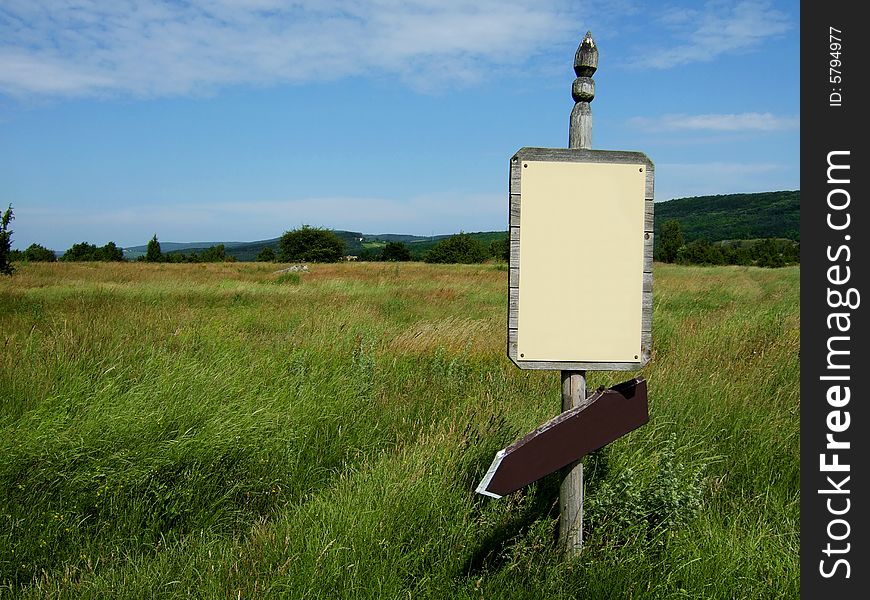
(608, 415)
(580, 286)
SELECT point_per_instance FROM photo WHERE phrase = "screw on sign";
(579, 296)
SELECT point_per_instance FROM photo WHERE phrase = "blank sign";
(581, 261)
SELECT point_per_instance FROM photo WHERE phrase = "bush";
(214, 254)
(85, 252)
(38, 253)
(628, 507)
(671, 241)
(460, 248)
(396, 252)
(311, 244)
(267, 254)
(500, 249)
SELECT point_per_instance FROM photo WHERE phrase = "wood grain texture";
(586, 57)
(577, 155)
(515, 178)
(514, 218)
(649, 244)
(571, 489)
(580, 126)
(650, 188)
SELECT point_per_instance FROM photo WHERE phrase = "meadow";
(224, 431)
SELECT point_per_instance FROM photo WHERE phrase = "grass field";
(217, 431)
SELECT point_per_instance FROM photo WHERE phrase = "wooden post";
(574, 382)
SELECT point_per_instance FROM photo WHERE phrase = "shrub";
(627, 507)
(671, 241)
(311, 244)
(460, 248)
(267, 254)
(85, 252)
(500, 249)
(396, 252)
(38, 253)
(214, 254)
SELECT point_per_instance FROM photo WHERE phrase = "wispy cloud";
(155, 48)
(751, 121)
(715, 29)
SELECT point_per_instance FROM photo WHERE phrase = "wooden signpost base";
(571, 490)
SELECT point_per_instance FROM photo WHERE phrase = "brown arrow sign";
(609, 414)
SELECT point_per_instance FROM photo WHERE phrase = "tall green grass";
(216, 431)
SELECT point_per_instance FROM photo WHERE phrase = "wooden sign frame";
(570, 268)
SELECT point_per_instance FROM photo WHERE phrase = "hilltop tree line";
(734, 216)
(316, 244)
(766, 252)
(154, 254)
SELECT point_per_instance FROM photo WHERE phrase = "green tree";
(38, 253)
(84, 251)
(396, 252)
(81, 252)
(267, 254)
(459, 248)
(6, 267)
(216, 253)
(111, 252)
(152, 252)
(671, 241)
(311, 244)
(500, 249)
(767, 254)
(368, 254)
(792, 253)
(700, 252)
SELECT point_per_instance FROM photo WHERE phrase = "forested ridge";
(734, 216)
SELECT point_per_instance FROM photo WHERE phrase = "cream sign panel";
(581, 258)
(581, 261)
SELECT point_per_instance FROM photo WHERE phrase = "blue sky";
(235, 120)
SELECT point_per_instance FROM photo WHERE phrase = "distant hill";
(734, 216)
(248, 251)
(354, 241)
(712, 218)
(420, 247)
(134, 252)
(243, 251)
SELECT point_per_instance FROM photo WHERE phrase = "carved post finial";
(583, 92)
(586, 59)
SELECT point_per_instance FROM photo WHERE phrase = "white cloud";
(715, 29)
(751, 121)
(154, 48)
